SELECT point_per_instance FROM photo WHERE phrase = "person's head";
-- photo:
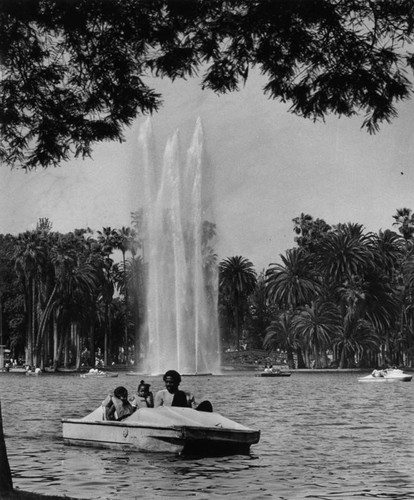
(121, 393)
(143, 389)
(172, 380)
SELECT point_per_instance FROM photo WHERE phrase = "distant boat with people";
(387, 375)
(35, 371)
(94, 372)
(275, 371)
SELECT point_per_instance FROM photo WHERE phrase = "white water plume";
(181, 327)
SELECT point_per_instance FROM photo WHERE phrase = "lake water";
(323, 436)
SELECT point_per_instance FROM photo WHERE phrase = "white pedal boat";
(99, 374)
(164, 429)
(388, 375)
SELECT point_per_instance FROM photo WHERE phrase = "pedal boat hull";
(166, 430)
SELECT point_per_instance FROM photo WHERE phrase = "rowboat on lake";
(165, 429)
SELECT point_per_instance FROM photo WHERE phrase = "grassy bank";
(253, 359)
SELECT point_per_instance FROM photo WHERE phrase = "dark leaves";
(72, 71)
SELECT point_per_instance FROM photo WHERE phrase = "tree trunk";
(6, 483)
(92, 345)
(77, 344)
(29, 325)
(126, 311)
(237, 324)
(55, 343)
(316, 353)
(301, 363)
(106, 336)
(33, 326)
(290, 358)
(342, 361)
(66, 347)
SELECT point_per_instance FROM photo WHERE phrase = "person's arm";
(111, 413)
(107, 401)
(108, 408)
(159, 400)
(191, 400)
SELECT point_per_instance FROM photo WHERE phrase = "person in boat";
(117, 407)
(144, 397)
(173, 396)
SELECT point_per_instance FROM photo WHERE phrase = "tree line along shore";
(340, 298)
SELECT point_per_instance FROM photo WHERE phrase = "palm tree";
(261, 312)
(389, 251)
(293, 283)
(79, 291)
(345, 252)
(351, 264)
(280, 334)
(125, 242)
(136, 276)
(63, 258)
(355, 337)
(315, 326)
(76, 279)
(405, 288)
(108, 239)
(404, 219)
(28, 258)
(237, 280)
(309, 230)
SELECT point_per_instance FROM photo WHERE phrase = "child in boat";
(144, 398)
(117, 407)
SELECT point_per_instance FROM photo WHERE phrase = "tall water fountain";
(181, 326)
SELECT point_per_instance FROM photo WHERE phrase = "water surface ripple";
(323, 436)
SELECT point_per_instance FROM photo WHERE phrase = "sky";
(265, 167)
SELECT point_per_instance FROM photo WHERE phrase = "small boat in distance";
(164, 429)
(275, 371)
(387, 375)
(94, 372)
(36, 372)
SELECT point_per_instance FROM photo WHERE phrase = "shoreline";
(227, 369)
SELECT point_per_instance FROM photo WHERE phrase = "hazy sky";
(268, 166)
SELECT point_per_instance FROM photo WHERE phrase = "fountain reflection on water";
(181, 326)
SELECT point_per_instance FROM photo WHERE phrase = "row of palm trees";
(63, 295)
(340, 292)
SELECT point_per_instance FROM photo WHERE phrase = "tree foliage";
(77, 72)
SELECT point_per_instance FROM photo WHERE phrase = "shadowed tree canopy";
(75, 72)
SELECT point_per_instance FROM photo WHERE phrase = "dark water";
(324, 436)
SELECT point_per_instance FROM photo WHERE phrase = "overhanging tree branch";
(73, 73)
